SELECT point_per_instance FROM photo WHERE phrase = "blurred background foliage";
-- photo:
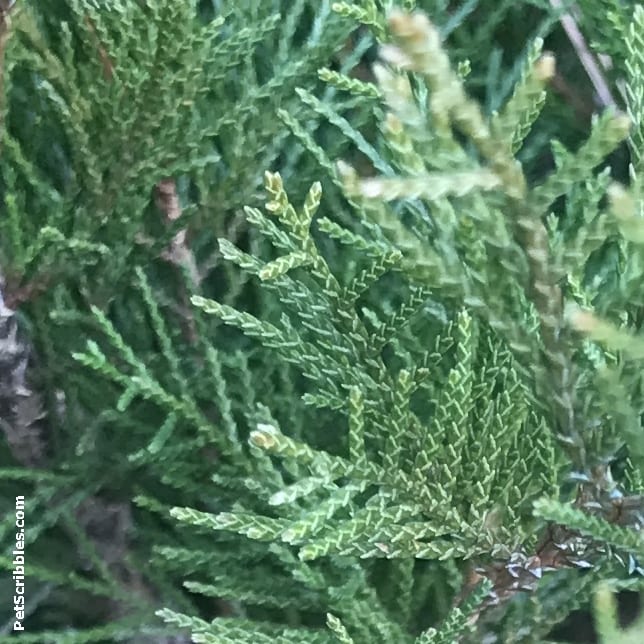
(133, 135)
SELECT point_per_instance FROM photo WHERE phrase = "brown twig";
(179, 253)
(585, 56)
(559, 546)
(167, 200)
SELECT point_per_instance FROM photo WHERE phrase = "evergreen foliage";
(398, 401)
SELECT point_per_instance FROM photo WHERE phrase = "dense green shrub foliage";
(321, 322)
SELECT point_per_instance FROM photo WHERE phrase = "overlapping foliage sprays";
(479, 247)
(398, 400)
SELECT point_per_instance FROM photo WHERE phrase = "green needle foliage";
(399, 401)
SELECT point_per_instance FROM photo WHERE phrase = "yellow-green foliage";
(401, 400)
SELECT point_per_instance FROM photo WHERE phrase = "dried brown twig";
(179, 253)
(167, 200)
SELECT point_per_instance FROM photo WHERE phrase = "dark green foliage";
(393, 394)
